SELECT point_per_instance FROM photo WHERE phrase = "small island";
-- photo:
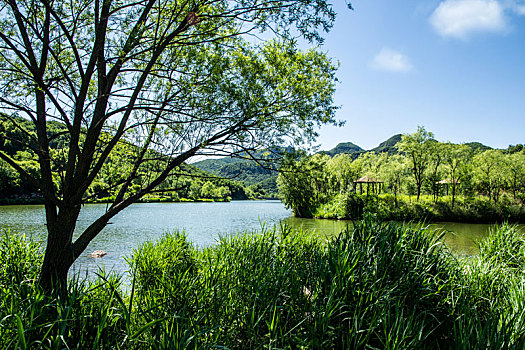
(415, 178)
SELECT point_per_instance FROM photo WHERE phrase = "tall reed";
(375, 286)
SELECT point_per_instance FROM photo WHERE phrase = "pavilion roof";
(367, 180)
(447, 181)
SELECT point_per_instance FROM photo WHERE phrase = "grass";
(376, 286)
(477, 209)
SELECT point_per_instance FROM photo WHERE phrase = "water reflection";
(202, 222)
(461, 238)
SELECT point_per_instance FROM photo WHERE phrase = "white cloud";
(392, 61)
(520, 10)
(460, 18)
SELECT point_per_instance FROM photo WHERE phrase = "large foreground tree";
(173, 80)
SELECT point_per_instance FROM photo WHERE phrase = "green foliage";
(262, 181)
(345, 148)
(304, 184)
(487, 172)
(407, 208)
(15, 189)
(20, 258)
(419, 149)
(343, 170)
(348, 205)
(389, 146)
(165, 262)
(378, 285)
(478, 147)
(89, 314)
(451, 183)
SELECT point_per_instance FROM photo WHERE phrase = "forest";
(189, 183)
(414, 177)
(424, 180)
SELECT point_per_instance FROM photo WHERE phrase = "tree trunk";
(395, 198)
(514, 185)
(453, 194)
(57, 261)
(59, 254)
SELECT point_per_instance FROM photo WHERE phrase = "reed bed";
(375, 286)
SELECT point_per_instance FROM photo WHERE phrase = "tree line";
(441, 171)
(191, 183)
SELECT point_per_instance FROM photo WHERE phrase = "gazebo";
(369, 181)
(447, 182)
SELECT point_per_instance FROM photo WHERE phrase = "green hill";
(345, 147)
(249, 173)
(355, 150)
(192, 184)
(388, 145)
(478, 146)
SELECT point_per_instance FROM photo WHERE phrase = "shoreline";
(40, 201)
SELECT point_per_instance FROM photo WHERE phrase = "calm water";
(460, 237)
(202, 222)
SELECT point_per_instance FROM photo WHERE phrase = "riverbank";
(39, 200)
(379, 285)
(149, 199)
(352, 206)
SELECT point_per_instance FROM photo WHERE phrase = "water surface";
(462, 238)
(203, 224)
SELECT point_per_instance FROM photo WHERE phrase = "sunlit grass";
(427, 208)
(376, 285)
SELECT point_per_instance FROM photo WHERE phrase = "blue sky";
(457, 67)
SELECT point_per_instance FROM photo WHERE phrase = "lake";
(202, 222)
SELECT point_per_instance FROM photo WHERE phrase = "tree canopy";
(490, 183)
(175, 79)
(418, 148)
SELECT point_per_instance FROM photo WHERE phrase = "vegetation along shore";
(120, 102)
(418, 178)
(378, 285)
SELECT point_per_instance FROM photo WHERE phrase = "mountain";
(478, 146)
(214, 165)
(245, 171)
(354, 150)
(388, 145)
(345, 147)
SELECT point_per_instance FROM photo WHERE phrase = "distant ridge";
(388, 145)
(246, 171)
(478, 146)
(251, 174)
(354, 150)
(345, 147)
